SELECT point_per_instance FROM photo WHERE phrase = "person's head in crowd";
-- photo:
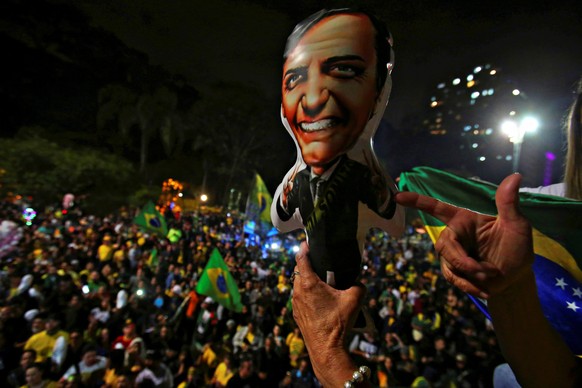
(303, 365)
(440, 343)
(34, 375)
(37, 324)
(27, 359)
(461, 361)
(53, 323)
(75, 339)
(123, 381)
(246, 367)
(90, 355)
(129, 330)
(153, 358)
(268, 344)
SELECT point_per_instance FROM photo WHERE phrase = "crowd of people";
(95, 302)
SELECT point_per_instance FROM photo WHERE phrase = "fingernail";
(483, 295)
(481, 276)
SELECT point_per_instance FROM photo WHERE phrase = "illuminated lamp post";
(516, 133)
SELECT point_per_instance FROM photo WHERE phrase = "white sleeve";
(558, 190)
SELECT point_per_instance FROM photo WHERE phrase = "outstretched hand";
(325, 316)
(481, 254)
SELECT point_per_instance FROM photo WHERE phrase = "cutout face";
(333, 98)
(329, 87)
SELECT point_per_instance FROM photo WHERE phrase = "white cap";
(31, 314)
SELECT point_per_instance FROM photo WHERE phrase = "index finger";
(438, 209)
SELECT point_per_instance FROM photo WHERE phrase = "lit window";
(512, 113)
(485, 92)
(476, 126)
(508, 157)
(472, 102)
(477, 69)
(433, 104)
(489, 131)
(441, 85)
(433, 98)
(498, 157)
(482, 159)
(488, 66)
(491, 92)
(476, 132)
(470, 84)
(474, 145)
(493, 72)
(474, 95)
(470, 77)
(456, 81)
(515, 92)
(467, 128)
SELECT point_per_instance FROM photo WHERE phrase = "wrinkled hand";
(481, 254)
(325, 316)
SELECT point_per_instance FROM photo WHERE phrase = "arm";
(492, 257)
(325, 316)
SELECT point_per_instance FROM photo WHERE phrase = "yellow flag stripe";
(543, 246)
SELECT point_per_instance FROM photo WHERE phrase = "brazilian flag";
(557, 240)
(259, 202)
(217, 283)
(150, 220)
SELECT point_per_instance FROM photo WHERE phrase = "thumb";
(507, 198)
(303, 262)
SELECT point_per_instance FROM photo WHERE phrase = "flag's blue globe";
(155, 222)
(221, 284)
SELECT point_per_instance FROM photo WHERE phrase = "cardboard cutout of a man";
(336, 83)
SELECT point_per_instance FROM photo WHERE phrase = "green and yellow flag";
(150, 220)
(557, 241)
(217, 283)
(259, 202)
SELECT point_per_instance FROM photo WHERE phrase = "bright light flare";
(204, 197)
(530, 124)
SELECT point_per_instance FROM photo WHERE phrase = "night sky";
(242, 41)
(237, 42)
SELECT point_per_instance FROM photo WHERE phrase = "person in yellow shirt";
(296, 346)
(44, 342)
(223, 372)
(34, 378)
(105, 250)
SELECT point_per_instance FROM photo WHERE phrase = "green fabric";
(150, 220)
(217, 282)
(559, 218)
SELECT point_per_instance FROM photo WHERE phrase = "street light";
(516, 133)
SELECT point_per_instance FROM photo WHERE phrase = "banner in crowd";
(217, 283)
(259, 202)
(150, 220)
(557, 238)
